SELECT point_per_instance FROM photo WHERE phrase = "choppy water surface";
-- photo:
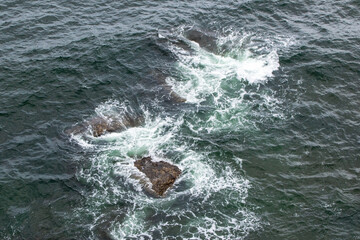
(267, 141)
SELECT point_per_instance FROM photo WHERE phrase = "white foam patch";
(112, 107)
(206, 190)
(208, 201)
(203, 71)
(81, 141)
(115, 156)
(257, 69)
(137, 141)
(206, 181)
(132, 227)
(223, 80)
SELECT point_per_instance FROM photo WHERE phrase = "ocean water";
(268, 140)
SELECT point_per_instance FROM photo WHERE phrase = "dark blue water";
(268, 140)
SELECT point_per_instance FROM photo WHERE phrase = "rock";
(101, 125)
(182, 44)
(173, 95)
(205, 40)
(162, 175)
(160, 77)
(77, 129)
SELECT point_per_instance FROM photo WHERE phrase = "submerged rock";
(162, 175)
(173, 95)
(182, 44)
(205, 40)
(160, 77)
(100, 125)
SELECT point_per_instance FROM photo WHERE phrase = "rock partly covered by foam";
(160, 77)
(101, 126)
(162, 175)
(205, 40)
(98, 126)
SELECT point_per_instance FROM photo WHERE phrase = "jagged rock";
(101, 125)
(162, 175)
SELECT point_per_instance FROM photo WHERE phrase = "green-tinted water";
(268, 140)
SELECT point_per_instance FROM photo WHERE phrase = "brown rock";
(162, 175)
(101, 125)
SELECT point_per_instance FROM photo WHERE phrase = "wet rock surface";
(98, 126)
(160, 78)
(162, 175)
(102, 125)
(205, 40)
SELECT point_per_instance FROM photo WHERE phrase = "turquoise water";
(267, 141)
